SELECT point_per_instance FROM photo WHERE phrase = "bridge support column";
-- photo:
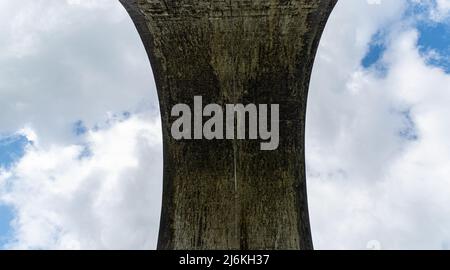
(228, 194)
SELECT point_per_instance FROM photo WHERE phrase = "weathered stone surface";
(229, 194)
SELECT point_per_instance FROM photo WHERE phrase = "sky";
(80, 136)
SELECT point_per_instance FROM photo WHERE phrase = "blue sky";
(12, 149)
(376, 143)
(433, 36)
(375, 51)
(436, 36)
(5, 229)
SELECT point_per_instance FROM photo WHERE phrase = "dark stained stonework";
(229, 194)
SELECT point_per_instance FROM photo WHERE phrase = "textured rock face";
(225, 194)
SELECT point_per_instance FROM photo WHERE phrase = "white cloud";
(110, 199)
(441, 11)
(62, 62)
(366, 181)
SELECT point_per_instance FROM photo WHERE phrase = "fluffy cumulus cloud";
(80, 107)
(65, 61)
(100, 195)
(377, 136)
(80, 118)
